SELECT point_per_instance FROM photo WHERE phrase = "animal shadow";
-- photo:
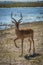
(29, 57)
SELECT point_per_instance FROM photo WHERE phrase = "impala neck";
(17, 30)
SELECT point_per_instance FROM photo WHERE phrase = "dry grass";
(9, 54)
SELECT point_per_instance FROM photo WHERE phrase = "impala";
(22, 34)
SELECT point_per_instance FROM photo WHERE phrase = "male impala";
(22, 34)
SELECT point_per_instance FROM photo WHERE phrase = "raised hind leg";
(22, 48)
(15, 42)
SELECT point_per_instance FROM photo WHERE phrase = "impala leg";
(15, 42)
(22, 49)
(33, 47)
(30, 47)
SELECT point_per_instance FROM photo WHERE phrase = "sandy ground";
(9, 54)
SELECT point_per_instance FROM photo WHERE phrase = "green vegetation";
(23, 4)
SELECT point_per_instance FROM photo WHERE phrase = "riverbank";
(9, 54)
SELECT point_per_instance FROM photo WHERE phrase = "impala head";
(16, 22)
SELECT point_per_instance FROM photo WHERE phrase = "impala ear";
(19, 21)
(13, 22)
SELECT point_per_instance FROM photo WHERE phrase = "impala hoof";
(21, 55)
(17, 47)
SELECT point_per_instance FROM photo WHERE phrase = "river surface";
(30, 14)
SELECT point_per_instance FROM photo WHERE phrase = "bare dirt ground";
(9, 54)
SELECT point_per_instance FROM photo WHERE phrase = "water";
(30, 14)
